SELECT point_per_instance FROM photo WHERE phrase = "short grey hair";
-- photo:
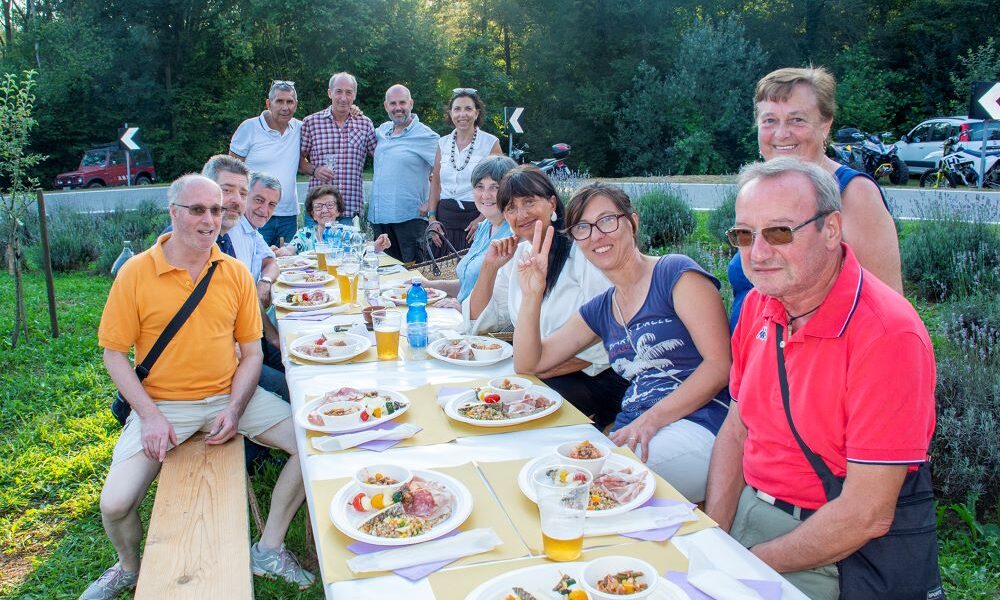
(224, 163)
(334, 77)
(269, 181)
(824, 185)
(281, 86)
(494, 166)
(178, 188)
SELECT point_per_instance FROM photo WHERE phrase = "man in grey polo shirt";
(269, 143)
(404, 158)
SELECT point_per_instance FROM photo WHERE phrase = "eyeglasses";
(607, 224)
(468, 91)
(526, 206)
(281, 83)
(331, 206)
(775, 236)
(198, 210)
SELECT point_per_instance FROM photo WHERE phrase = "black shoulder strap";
(832, 484)
(175, 324)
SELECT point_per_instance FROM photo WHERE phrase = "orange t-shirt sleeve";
(119, 328)
(248, 324)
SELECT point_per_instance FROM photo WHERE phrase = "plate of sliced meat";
(470, 351)
(329, 348)
(427, 507)
(479, 407)
(623, 483)
(348, 409)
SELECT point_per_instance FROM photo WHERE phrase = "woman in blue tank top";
(795, 110)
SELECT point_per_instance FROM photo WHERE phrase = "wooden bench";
(198, 541)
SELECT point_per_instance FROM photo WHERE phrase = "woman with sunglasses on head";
(795, 109)
(324, 204)
(662, 323)
(450, 202)
(526, 197)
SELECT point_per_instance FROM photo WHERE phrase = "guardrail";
(906, 203)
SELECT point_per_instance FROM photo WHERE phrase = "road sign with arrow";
(515, 120)
(127, 138)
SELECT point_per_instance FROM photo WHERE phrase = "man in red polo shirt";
(860, 392)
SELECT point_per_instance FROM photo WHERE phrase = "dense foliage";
(637, 87)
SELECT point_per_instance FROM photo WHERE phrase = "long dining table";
(308, 381)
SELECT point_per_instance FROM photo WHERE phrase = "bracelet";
(266, 280)
(432, 213)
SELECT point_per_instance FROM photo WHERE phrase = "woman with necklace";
(662, 323)
(450, 202)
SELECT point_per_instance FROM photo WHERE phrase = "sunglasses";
(468, 91)
(197, 210)
(584, 230)
(780, 235)
(281, 83)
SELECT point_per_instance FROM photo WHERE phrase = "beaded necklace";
(454, 150)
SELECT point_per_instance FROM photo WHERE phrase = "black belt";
(797, 512)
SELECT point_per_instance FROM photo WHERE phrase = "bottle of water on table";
(369, 270)
(416, 318)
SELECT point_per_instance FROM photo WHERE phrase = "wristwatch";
(432, 213)
(266, 280)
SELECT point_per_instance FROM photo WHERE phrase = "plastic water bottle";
(124, 256)
(416, 318)
(369, 270)
(328, 234)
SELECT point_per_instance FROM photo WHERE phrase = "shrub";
(664, 218)
(73, 241)
(947, 258)
(722, 217)
(966, 447)
(140, 226)
(712, 259)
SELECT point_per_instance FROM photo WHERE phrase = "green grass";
(56, 437)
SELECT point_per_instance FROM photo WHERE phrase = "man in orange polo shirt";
(196, 385)
(859, 388)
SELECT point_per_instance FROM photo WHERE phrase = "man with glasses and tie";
(335, 143)
(832, 407)
(270, 143)
(197, 384)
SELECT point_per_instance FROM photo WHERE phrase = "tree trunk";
(506, 50)
(8, 25)
(20, 317)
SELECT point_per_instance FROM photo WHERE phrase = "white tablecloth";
(401, 375)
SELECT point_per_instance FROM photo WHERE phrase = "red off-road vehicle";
(105, 166)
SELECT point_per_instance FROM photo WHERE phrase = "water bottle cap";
(415, 282)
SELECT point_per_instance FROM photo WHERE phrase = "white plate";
(300, 417)
(347, 520)
(540, 579)
(308, 254)
(395, 294)
(451, 408)
(325, 279)
(617, 461)
(434, 351)
(331, 303)
(357, 345)
(286, 263)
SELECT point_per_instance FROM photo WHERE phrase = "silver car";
(921, 148)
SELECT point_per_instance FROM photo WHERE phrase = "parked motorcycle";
(871, 154)
(554, 167)
(960, 165)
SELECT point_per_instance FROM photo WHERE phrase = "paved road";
(906, 203)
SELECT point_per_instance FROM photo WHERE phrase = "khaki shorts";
(757, 522)
(264, 411)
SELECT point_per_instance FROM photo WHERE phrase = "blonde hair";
(777, 86)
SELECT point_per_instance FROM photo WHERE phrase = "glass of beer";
(333, 258)
(321, 250)
(347, 273)
(563, 494)
(386, 324)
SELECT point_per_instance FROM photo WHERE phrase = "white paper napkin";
(333, 443)
(703, 575)
(646, 517)
(443, 400)
(466, 543)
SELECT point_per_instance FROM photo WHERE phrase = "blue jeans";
(279, 228)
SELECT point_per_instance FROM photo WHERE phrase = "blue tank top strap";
(845, 174)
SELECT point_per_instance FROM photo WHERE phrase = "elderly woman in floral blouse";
(324, 204)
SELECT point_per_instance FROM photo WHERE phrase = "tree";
(16, 122)
(983, 64)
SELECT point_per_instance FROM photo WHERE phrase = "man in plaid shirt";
(335, 144)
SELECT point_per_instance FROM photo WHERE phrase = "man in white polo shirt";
(270, 143)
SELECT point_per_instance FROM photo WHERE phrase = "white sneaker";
(113, 582)
(280, 563)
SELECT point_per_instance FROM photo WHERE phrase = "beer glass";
(386, 324)
(562, 508)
